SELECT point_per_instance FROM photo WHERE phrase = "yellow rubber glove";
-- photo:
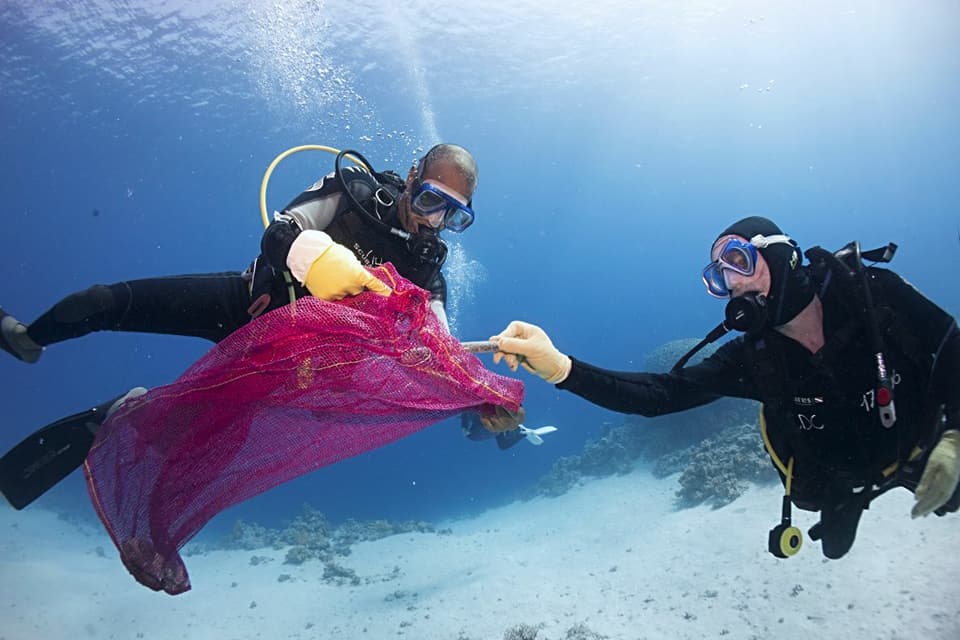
(503, 420)
(940, 476)
(336, 274)
(522, 343)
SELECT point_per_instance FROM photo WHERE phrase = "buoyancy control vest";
(367, 224)
(878, 452)
(366, 229)
(796, 414)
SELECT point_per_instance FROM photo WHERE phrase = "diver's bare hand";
(502, 419)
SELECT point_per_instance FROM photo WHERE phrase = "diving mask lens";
(459, 219)
(737, 256)
(428, 203)
(432, 202)
(713, 280)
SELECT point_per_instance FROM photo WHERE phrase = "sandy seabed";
(613, 556)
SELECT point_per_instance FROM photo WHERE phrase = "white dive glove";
(527, 345)
(940, 475)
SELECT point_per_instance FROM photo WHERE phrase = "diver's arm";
(313, 210)
(317, 207)
(941, 472)
(935, 329)
(647, 394)
(436, 306)
(276, 242)
(438, 300)
(725, 373)
(654, 394)
(328, 270)
(946, 372)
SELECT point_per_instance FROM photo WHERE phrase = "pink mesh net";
(290, 392)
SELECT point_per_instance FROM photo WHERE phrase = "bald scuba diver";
(320, 244)
(858, 374)
(347, 220)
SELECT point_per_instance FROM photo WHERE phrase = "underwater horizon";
(615, 140)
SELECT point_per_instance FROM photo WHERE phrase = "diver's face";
(739, 284)
(445, 177)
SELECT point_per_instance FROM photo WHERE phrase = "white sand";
(612, 554)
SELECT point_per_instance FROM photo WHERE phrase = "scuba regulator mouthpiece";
(747, 313)
(427, 246)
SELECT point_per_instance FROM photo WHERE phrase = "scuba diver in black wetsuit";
(377, 217)
(318, 245)
(858, 373)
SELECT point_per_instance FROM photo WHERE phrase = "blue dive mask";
(433, 203)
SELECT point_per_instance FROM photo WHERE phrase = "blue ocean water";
(614, 140)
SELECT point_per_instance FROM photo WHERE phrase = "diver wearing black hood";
(825, 345)
(791, 287)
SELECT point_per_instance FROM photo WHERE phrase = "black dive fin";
(48, 456)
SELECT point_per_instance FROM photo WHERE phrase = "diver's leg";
(209, 306)
(15, 341)
(837, 528)
(50, 454)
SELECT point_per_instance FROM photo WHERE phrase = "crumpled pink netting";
(291, 392)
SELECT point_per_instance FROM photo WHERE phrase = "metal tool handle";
(480, 346)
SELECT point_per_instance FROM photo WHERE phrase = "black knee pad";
(82, 305)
